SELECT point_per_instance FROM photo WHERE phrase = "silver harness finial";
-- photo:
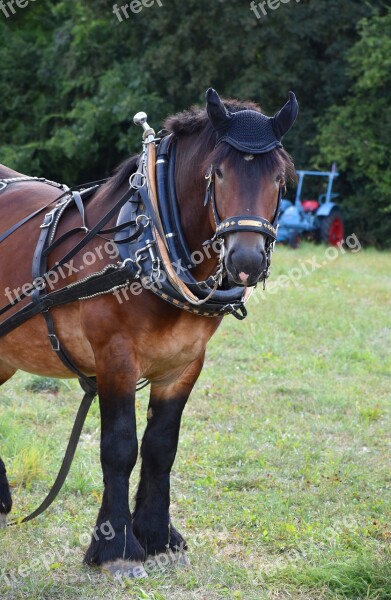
(141, 119)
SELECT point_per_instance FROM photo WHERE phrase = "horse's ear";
(284, 119)
(217, 113)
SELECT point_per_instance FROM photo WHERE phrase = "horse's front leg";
(113, 543)
(151, 520)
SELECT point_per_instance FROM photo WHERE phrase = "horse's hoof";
(3, 521)
(183, 560)
(168, 559)
(124, 568)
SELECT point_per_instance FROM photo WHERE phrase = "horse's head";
(246, 174)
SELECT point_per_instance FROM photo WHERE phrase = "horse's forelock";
(270, 162)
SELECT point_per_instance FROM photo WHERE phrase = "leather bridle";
(248, 223)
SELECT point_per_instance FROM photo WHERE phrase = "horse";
(229, 161)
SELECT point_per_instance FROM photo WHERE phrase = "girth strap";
(39, 268)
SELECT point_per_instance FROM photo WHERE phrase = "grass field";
(282, 480)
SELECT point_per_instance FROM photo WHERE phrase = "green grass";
(282, 481)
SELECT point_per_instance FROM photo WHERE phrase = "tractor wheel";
(332, 228)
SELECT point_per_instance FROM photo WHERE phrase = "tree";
(357, 132)
(73, 75)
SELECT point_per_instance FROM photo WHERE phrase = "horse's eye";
(219, 173)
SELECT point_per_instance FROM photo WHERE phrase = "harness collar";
(167, 261)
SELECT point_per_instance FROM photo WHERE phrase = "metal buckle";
(54, 342)
(209, 177)
(156, 272)
(238, 311)
(45, 224)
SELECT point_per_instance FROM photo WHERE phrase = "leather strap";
(98, 284)
(11, 230)
(68, 457)
(76, 249)
(80, 207)
(246, 223)
(95, 230)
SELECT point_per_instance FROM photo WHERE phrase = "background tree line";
(72, 76)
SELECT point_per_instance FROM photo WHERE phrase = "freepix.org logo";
(261, 9)
(136, 6)
(10, 8)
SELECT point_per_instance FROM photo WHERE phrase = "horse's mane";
(121, 174)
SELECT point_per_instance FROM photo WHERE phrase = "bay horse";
(119, 340)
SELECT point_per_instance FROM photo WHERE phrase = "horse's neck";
(7, 173)
(195, 218)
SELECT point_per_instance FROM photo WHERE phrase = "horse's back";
(19, 199)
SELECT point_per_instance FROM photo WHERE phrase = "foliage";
(43, 384)
(73, 76)
(357, 132)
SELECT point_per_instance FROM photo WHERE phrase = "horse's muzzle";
(246, 262)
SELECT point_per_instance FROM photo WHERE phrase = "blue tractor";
(320, 220)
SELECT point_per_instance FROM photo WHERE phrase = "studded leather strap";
(241, 222)
(246, 223)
